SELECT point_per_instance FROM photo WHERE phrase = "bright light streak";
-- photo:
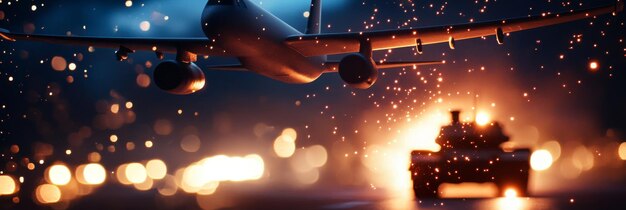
(482, 118)
(59, 175)
(541, 160)
(204, 176)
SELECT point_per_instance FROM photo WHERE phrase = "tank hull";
(505, 169)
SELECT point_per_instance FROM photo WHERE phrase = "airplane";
(266, 45)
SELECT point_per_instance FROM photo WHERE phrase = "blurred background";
(78, 128)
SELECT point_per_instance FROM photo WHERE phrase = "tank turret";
(470, 135)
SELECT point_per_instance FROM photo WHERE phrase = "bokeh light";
(58, 63)
(59, 175)
(48, 193)
(120, 174)
(144, 26)
(7, 185)
(316, 156)
(190, 143)
(540, 160)
(582, 158)
(146, 185)
(156, 169)
(168, 186)
(91, 174)
(284, 146)
(136, 173)
(554, 148)
(621, 151)
(290, 133)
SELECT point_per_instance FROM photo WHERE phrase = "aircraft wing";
(200, 46)
(338, 43)
(333, 66)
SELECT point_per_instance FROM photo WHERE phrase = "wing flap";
(231, 67)
(333, 66)
(338, 43)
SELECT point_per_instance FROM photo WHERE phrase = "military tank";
(470, 153)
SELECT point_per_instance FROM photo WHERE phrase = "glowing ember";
(593, 66)
(541, 160)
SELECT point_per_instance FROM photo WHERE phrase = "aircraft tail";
(315, 18)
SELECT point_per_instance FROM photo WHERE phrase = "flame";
(483, 118)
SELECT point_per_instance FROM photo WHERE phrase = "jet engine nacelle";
(358, 71)
(179, 78)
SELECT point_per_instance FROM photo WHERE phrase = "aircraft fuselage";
(256, 38)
